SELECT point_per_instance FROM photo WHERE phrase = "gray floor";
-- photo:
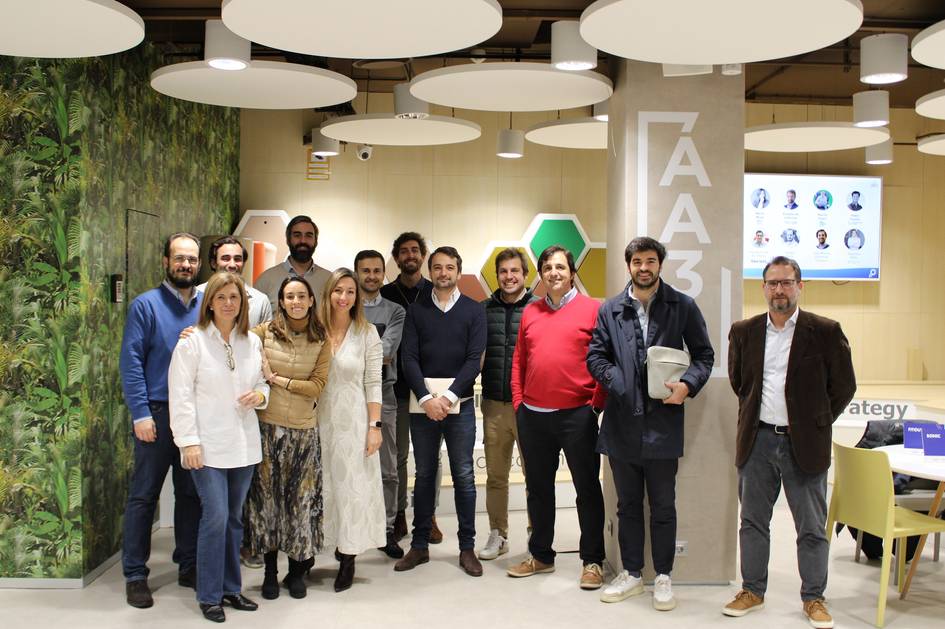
(440, 594)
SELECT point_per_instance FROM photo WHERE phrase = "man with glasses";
(154, 322)
(793, 375)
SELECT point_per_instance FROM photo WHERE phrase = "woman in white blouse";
(349, 419)
(214, 383)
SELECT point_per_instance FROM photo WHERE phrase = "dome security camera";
(364, 152)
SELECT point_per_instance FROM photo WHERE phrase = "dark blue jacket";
(636, 427)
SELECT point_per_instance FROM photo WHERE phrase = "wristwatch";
(376, 424)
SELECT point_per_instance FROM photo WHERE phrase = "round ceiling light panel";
(932, 144)
(77, 28)
(932, 105)
(389, 130)
(811, 137)
(928, 47)
(262, 85)
(509, 86)
(733, 31)
(571, 133)
(365, 29)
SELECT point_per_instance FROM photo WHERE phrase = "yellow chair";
(863, 498)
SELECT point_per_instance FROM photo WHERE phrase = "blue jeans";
(459, 432)
(150, 468)
(222, 494)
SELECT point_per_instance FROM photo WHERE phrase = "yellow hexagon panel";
(593, 272)
(487, 271)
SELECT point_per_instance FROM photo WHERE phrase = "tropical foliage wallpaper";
(86, 148)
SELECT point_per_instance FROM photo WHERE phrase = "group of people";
(290, 410)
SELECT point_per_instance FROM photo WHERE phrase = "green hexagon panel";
(563, 232)
(488, 268)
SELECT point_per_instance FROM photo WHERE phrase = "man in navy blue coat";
(643, 437)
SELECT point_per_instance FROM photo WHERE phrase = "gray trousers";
(771, 464)
(388, 453)
(403, 452)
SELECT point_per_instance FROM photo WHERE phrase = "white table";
(914, 463)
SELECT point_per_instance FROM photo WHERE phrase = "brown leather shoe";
(412, 559)
(400, 526)
(436, 535)
(469, 563)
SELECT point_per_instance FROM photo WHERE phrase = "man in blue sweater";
(445, 337)
(154, 322)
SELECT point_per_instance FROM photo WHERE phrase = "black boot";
(270, 586)
(345, 573)
(295, 580)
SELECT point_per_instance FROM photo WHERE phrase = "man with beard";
(302, 237)
(503, 314)
(228, 254)
(642, 436)
(409, 252)
(445, 337)
(388, 318)
(154, 322)
(793, 375)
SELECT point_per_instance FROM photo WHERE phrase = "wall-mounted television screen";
(830, 224)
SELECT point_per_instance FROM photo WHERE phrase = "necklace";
(337, 338)
(403, 295)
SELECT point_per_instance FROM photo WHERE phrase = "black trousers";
(542, 437)
(658, 478)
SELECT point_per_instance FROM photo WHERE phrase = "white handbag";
(436, 387)
(664, 364)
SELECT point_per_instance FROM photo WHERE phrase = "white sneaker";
(495, 546)
(663, 599)
(622, 587)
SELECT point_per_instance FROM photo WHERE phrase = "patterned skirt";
(284, 505)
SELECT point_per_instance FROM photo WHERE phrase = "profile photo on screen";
(822, 199)
(822, 239)
(854, 201)
(759, 240)
(760, 198)
(789, 236)
(791, 200)
(853, 239)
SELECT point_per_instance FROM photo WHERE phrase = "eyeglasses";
(189, 259)
(773, 284)
(229, 356)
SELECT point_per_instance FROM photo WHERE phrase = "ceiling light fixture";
(933, 144)
(224, 49)
(928, 47)
(731, 69)
(322, 145)
(601, 111)
(809, 137)
(570, 133)
(568, 50)
(884, 58)
(510, 143)
(871, 108)
(408, 106)
(931, 105)
(880, 154)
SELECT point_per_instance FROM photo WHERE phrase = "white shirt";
(260, 310)
(203, 392)
(453, 298)
(777, 351)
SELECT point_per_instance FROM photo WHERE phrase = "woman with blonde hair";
(349, 413)
(215, 381)
(284, 506)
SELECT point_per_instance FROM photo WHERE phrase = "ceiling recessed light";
(601, 111)
(224, 49)
(323, 146)
(510, 143)
(880, 154)
(568, 51)
(871, 108)
(884, 58)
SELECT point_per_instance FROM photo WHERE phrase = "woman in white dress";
(349, 413)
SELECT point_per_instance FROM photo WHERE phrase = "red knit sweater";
(548, 367)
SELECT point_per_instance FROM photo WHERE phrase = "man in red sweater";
(556, 403)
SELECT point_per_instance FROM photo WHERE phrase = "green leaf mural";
(81, 143)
